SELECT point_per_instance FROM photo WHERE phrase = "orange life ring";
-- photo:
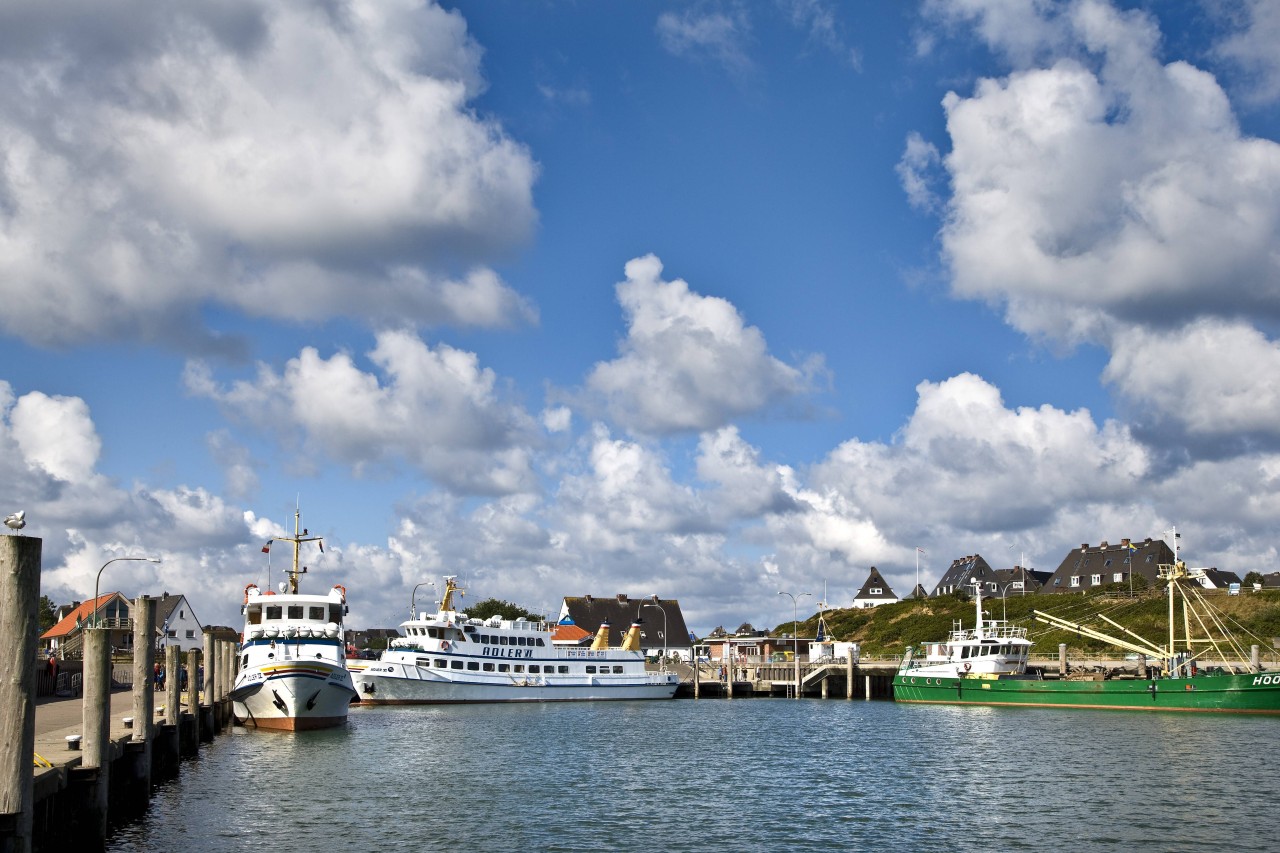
(444, 645)
(342, 589)
(246, 591)
(968, 666)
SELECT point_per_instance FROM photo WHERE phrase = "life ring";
(246, 591)
(342, 589)
(968, 666)
(444, 645)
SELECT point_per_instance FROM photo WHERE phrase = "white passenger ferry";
(293, 672)
(447, 657)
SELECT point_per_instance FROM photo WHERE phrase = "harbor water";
(740, 775)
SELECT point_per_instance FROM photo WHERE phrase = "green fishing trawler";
(987, 665)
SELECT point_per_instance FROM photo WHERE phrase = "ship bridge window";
(316, 613)
(472, 664)
(439, 663)
(335, 613)
(502, 641)
(295, 611)
(617, 669)
(433, 632)
(520, 641)
(255, 615)
(275, 611)
(488, 667)
(504, 667)
(457, 664)
(518, 668)
(486, 639)
(535, 669)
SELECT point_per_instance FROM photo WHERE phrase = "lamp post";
(655, 603)
(795, 639)
(413, 599)
(99, 577)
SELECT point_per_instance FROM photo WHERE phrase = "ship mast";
(299, 536)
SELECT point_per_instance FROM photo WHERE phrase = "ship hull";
(405, 686)
(293, 697)
(1255, 693)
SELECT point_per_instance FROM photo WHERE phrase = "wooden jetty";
(72, 766)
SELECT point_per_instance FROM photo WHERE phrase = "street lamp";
(413, 599)
(99, 577)
(795, 639)
(655, 603)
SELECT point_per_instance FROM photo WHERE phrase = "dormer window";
(875, 590)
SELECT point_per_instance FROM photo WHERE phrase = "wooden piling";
(1255, 658)
(96, 735)
(867, 686)
(208, 720)
(172, 685)
(848, 676)
(193, 701)
(19, 638)
(144, 656)
(1062, 660)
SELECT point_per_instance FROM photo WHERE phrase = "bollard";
(868, 688)
(96, 741)
(1062, 660)
(19, 632)
(848, 676)
(1255, 658)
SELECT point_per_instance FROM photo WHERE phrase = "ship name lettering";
(1266, 679)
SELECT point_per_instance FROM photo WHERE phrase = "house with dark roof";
(874, 592)
(917, 594)
(1019, 580)
(1092, 566)
(662, 626)
(177, 624)
(961, 574)
(1215, 578)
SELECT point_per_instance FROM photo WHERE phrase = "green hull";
(1256, 693)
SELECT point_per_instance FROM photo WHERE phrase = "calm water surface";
(741, 775)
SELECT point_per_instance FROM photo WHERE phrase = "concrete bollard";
(1062, 660)
(1255, 658)
(867, 687)
(848, 676)
(190, 737)
(19, 632)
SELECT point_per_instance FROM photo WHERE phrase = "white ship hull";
(293, 695)
(389, 682)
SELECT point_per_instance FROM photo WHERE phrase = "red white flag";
(266, 549)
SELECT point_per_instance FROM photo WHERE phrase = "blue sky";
(707, 300)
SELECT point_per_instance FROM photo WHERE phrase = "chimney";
(622, 598)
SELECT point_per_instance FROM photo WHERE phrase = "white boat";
(447, 657)
(992, 647)
(293, 673)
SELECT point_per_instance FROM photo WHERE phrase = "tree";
(48, 614)
(502, 609)
(1252, 578)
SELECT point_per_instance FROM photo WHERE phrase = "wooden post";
(208, 723)
(1062, 660)
(96, 733)
(848, 677)
(1255, 658)
(144, 695)
(697, 672)
(172, 685)
(19, 637)
(193, 697)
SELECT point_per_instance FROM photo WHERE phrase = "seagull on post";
(16, 521)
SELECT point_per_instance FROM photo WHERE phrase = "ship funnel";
(601, 642)
(631, 642)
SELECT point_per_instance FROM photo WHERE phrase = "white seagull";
(17, 521)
